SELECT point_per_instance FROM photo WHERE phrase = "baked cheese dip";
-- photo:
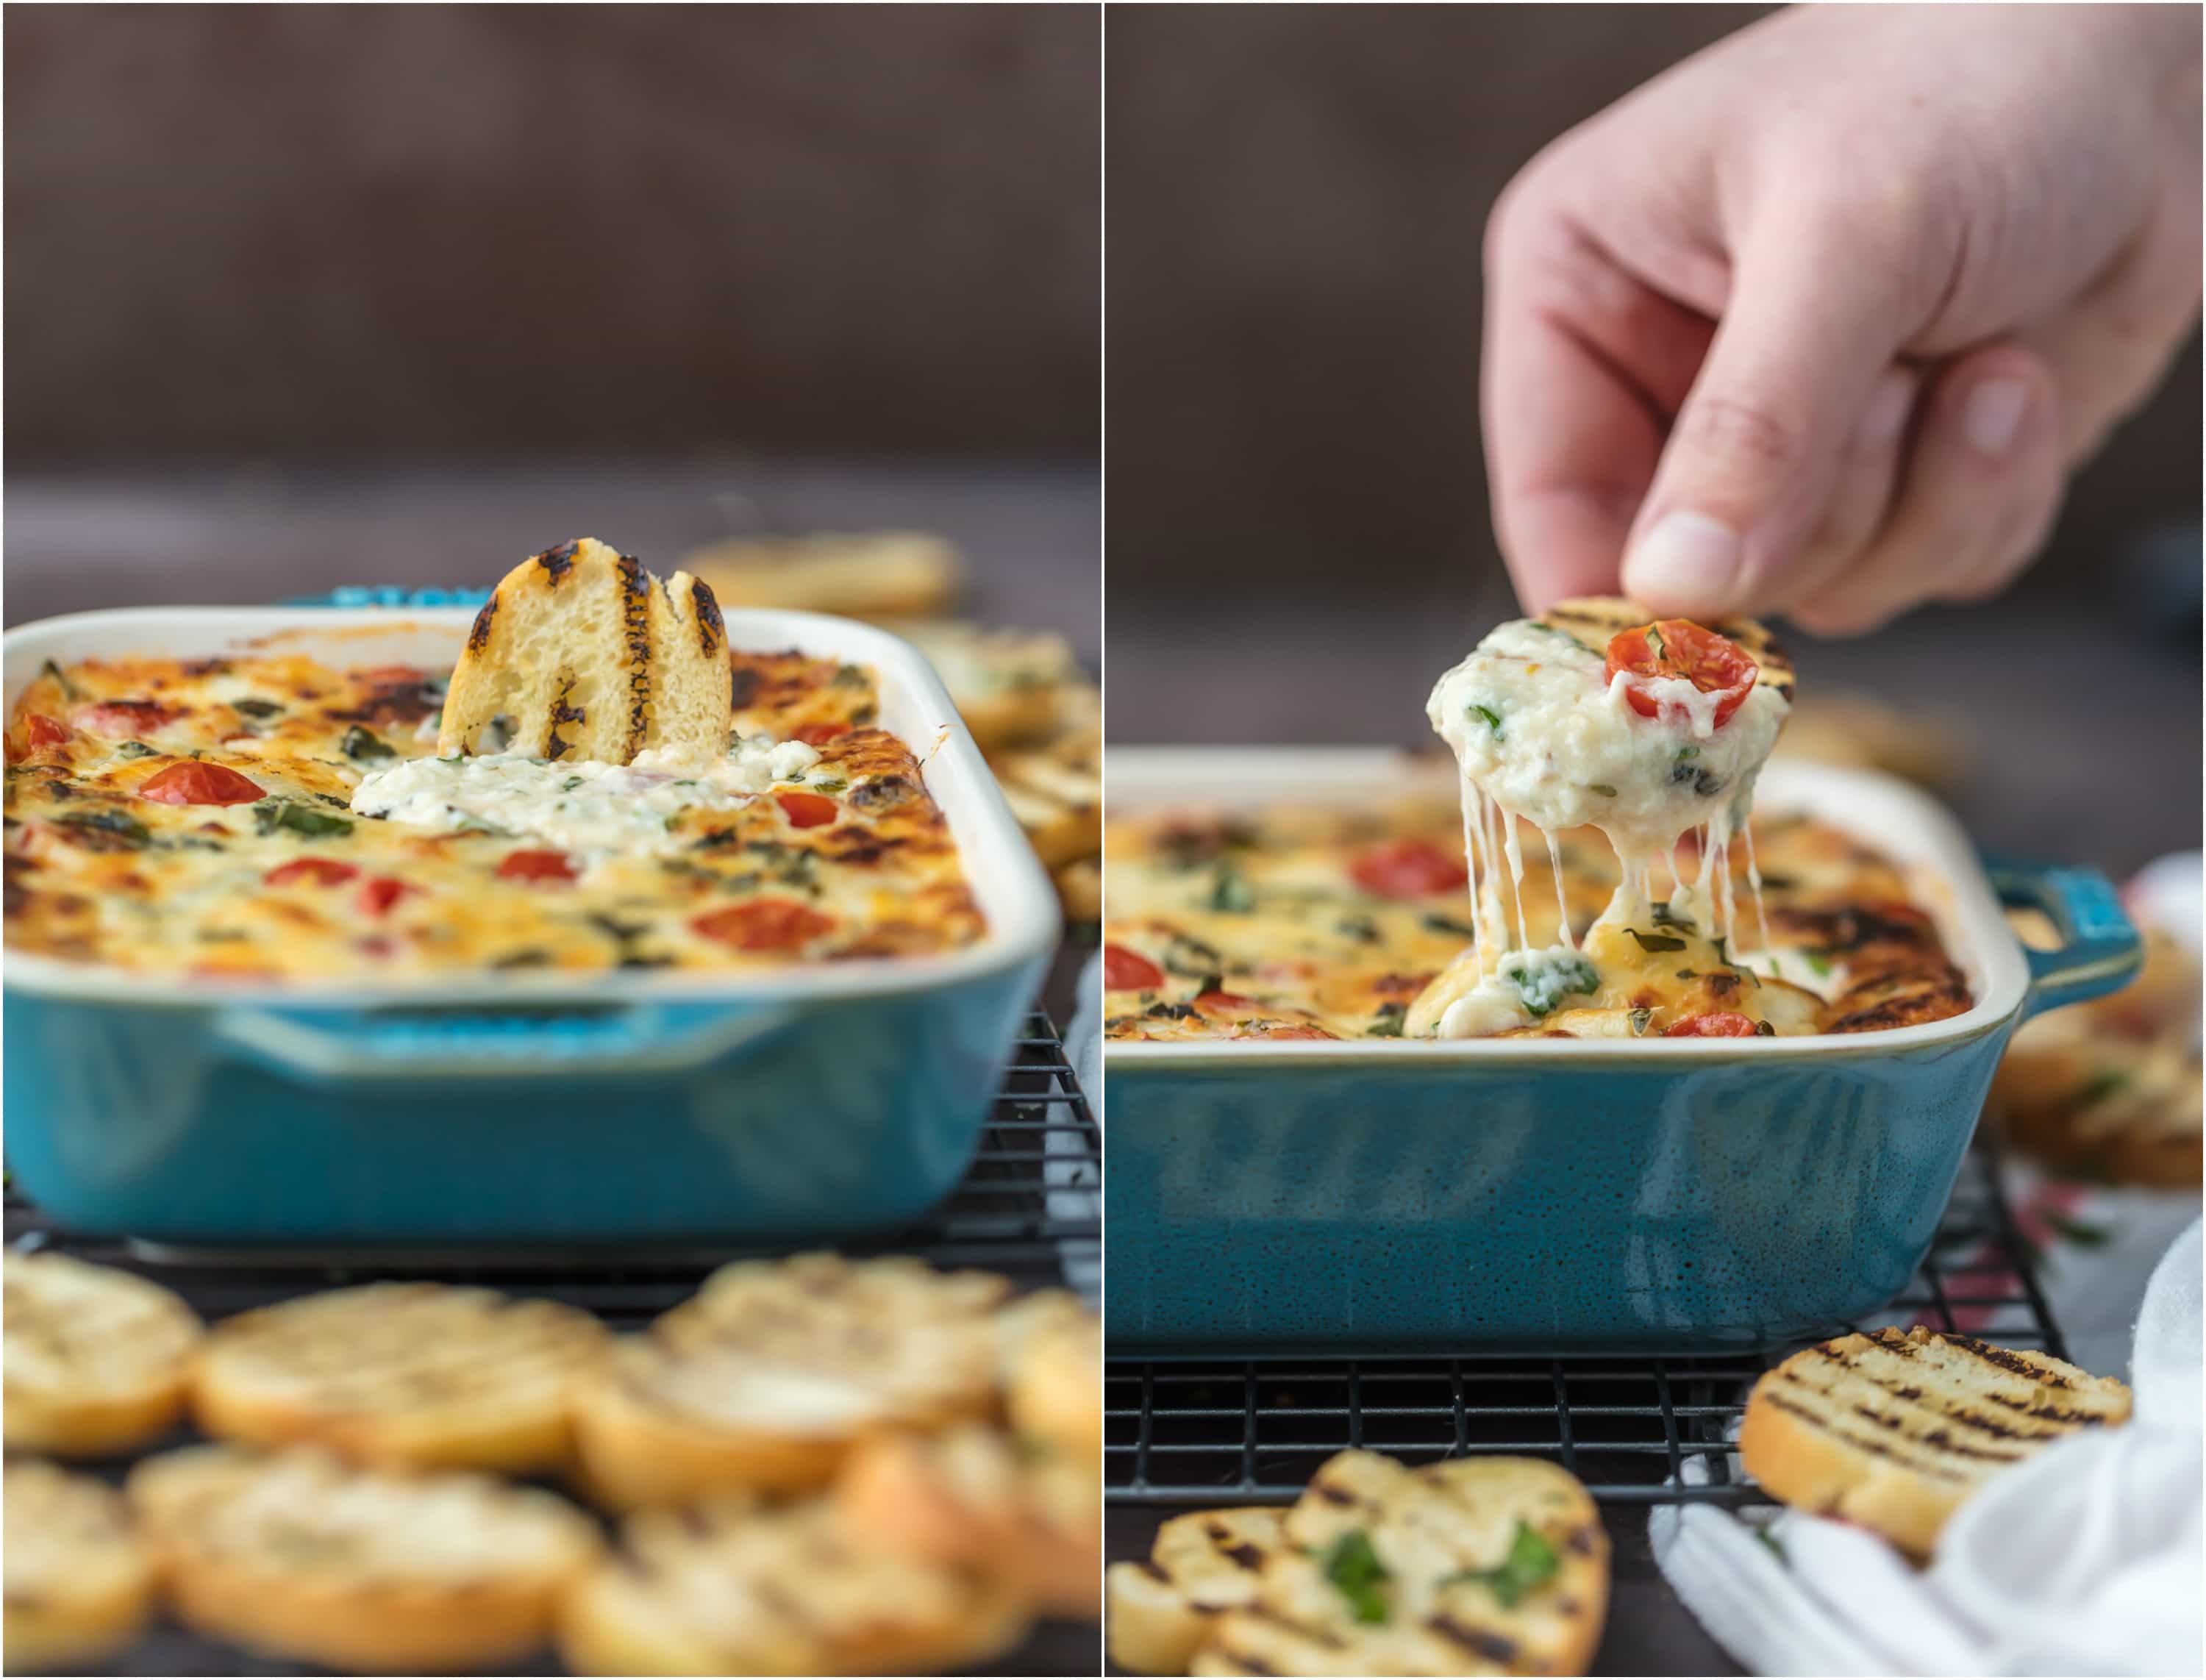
(267, 816)
(1644, 731)
(1300, 922)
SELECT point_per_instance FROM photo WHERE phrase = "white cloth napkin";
(2084, 1560)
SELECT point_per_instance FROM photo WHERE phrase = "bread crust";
(912, 1495)
(402, 1374)
(79, 1586)
(1201, 1565)
(732, 1588)
(1895, 1431)
(98, 1359)
(225, 1525)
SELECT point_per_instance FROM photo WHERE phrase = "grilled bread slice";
(1080, 889)
(1893, 1430)
(96, 1359)
(1009, 685)
(580, 653)
(1595, 620)
(429, 1374)
(971, 1498)
(293, 1554)
(1052, 1374)
(730, 1588)
(1200, 1566)
(880, 574)
(769, 1377)
(77, 1585)
(1473, 1566)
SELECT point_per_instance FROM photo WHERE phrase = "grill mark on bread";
(479, 632)
(558, 562)
(635, 621)
(1874, 1448)
(712, 628)
(1484, 1641)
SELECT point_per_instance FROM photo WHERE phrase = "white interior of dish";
(1006, 875)
(1899, 820)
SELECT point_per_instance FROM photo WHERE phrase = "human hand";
(1818, 320)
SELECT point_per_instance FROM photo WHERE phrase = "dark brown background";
(307, 231)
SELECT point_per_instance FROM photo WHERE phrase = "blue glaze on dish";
(1602, 1201)
(734, 1121)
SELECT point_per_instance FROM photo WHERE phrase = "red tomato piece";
(1127, 970)
(536, 867)
(43, 731)
(1716, 1024)
(1408, 869)
(1678, 647)
(121, 720)
(378, 893)
(815, 735)
(763, 924)
(806, 810)
(311, 872)
(196, 784)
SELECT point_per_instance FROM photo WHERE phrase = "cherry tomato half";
(763, 924)
(806, 810)
(1678, 647)
(41, 730)
(311, 872)
(536, 867)
(1408, 869)
(196, 784)
(1716, 1024)
(122, 720)
(378, 893)
(1126, 970)
(816, 734)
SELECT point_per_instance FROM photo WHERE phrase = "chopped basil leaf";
(1190, 956)
(136, 749)
(117, 829)
(1493, 719)
(250, 707)
(1654, 642)
(2098, 1088)
(1817, 963)
(1688, 973)
(360, 743)
(1462, 930)
(1775, 1545)
(1653, 942)
(570, 784)
(69, 690)
(1388, 1023)
(1354, 1568)
(1602, 788)
(1684, 753)
(850, 676)
(1663, 918)
(830, 784)
(1544, 984)
(1531, 1563)
(1230, 891)
(1553, 630)
(270, 814)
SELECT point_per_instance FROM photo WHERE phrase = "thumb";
(1755, 452)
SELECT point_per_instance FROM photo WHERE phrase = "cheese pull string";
(1754, 885)
(1569, 940)
(1514, 851)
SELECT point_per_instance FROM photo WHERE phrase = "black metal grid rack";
(1029, 1206)
(1255, 1431)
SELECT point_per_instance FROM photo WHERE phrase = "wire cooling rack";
(1028, 1207)
(1255, 1431)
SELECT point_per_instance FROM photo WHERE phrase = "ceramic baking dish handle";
(322, 1046)
(2099, 950)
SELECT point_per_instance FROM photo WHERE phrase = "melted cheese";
(1542, 733)
(584, 806)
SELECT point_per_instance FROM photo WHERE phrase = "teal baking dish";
(805, 1104)
(1384, 1196)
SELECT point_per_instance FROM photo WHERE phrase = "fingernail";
(1992, 416)
(1688, 562)
(1886, 417)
